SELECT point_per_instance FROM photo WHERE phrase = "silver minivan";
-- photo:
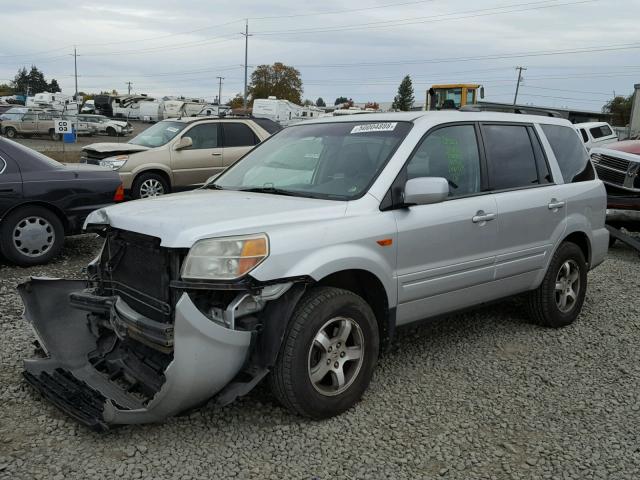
(298, 263)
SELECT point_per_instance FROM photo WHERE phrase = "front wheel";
(10, 132)
(558, 300)
(54, 136)
(31, 236)
(328, 354)
(149, 185)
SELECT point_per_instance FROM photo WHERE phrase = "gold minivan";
(179, 154)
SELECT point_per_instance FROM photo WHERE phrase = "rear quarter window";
(601, 131)
(570, 153)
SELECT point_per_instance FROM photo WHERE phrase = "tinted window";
(585, 137)
(510, 156)
(204, 136)
(269, 125)
(601, 131)
(569, 152)
(238, 135)
(451, 153)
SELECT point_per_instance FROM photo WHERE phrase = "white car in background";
(101, 124)
(596, 134)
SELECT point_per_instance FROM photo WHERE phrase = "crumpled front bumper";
(206, 357)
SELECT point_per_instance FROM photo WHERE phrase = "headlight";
(225, 258)
(114, 163)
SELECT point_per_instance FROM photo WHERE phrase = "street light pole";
(520, 69)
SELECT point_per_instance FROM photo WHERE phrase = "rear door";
(192, 166)
(531, 208)
(238, 139)
(446, 251)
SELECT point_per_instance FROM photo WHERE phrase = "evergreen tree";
(340, 100)
(403, 101)
(320, 102)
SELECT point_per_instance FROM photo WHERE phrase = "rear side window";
(238, 135)
(510, 157)
(569, 152)
(585, 137)
(601, 131)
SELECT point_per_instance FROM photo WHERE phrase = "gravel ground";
(480, 395)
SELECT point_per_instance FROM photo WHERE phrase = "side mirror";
(425, 190)
(482, 92)
(184, 142)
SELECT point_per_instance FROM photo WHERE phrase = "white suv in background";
(596, 134)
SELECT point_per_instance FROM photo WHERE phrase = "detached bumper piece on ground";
(103, 377)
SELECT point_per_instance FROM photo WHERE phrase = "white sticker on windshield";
(172, 129)
(375, 127)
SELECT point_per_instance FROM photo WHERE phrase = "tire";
(326, 309)
(54, 136)
(612, 241)
(31, 236)
(10, 132)
(545, 303)
(149, 185)
(111, 131)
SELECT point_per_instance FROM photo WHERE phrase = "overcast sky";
(359, 49)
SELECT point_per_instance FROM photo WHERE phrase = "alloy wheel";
(151, 188)
(567, 286)
(336, 356)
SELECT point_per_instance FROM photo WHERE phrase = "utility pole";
(520, 69)
(220, 90)
(246, 57)
(128, 87)
(75, 70)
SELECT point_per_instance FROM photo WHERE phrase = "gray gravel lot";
(479, 395)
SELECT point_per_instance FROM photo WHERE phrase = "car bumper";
(205, 356)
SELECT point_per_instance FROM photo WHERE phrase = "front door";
(192, 166)
(446, 251)
(29, 123)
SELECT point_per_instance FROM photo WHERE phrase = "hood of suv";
(179, 220)
(115, 148)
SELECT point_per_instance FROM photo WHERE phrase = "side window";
(452, 153)
(601, 131)
(510, 156)
(585, 137)
(204, 135)
(569, 152)
(29, 117)
(238, 135)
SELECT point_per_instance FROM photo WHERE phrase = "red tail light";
(119, 195)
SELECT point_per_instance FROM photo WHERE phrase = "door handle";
(482, 217)
(555, 204)
(216, 154)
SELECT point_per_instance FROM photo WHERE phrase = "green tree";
(277, 80)
(620, 110)
(6, 89)
(404, 99)
(33, 81)
(53, 86)
(308, 103)
(340, 100)
(320, 102)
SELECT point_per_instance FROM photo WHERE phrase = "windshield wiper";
(212, 186)
(270, 189)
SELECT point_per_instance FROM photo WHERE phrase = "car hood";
(120, 124)
(628, 146)
(181, 219)
(107, 147)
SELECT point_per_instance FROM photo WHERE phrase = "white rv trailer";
(52, 101)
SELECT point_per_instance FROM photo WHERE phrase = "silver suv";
(297, 264)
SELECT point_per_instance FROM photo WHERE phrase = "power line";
(335, 12)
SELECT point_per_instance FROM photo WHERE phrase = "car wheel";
(54, 136)
(557, 302)
(10, 132)
(111, 131)
(149, 185)
(31, 236)
(328, 354)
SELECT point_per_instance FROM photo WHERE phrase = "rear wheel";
(557, 302)
(31, 236)
(54, 136)
(149, 185)
(10, 132)
(328, 354)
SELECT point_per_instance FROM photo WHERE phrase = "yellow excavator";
(453, 96)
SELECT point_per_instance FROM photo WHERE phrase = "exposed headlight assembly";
(225, 258)
(114, 163)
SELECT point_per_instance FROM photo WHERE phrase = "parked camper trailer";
(151, 111)
(52, 101)
(282, 111)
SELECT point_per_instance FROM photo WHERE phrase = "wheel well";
(52, 208)
(582, 241)
(157, 172)
(366, 285)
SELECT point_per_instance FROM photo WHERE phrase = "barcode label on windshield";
(375, 127)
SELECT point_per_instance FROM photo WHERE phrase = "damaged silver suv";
(297, 264)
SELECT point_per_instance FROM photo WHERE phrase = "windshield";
(14, 114)
(158, 134)
(325, 160)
